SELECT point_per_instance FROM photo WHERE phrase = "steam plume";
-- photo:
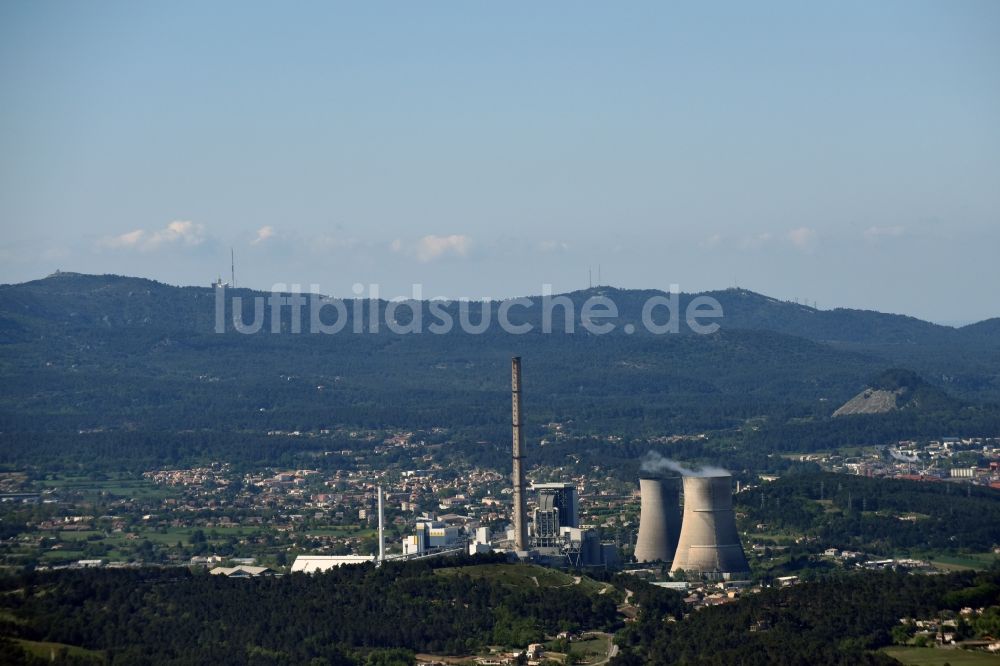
(654, 463)
(898, 455)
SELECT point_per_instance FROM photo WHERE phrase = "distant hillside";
(897, 389)
(896, 404)
(746, 309)
(117, 300)
(966, 361)
(987, 331)
(110, 353)
(870, 401)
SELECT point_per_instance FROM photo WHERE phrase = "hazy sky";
(841, 152)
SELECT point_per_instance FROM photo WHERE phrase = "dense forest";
(823, 434)
(172, 616)
(372, 617)
(837, 621)
(877, 515)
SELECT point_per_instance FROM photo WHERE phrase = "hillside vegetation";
(339, 617)
(112, 365)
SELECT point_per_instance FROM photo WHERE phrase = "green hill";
(85, 357)
(173, 616)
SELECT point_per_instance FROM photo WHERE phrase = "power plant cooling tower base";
(709, 542)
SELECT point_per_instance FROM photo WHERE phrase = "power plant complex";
(556, 536)
(702, 540)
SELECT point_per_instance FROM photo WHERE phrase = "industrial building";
(319, 563)
(431, 535)
(560, 496)
(556, 536)
(241, 571)
(557, 508)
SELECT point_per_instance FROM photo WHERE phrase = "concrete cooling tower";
(659, 520)
(709, 542)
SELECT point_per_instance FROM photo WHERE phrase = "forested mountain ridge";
(85, 352)
(121, 300)
(89, 352)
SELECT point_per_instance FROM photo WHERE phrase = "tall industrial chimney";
(381, 526)
(709, 542)
(659, 520)
(520, 518)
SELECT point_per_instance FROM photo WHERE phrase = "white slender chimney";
(381, 525)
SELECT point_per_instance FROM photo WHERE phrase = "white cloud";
(802, 237)
(553, 246)
(183, 232)
(263, 234)
(875, 233)
(430, 248)
(129, 239)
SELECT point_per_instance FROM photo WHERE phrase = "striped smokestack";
(520, 517)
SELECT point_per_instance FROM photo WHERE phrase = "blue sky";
(845, 153)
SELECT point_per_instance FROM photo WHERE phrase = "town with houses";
(944, 459)
(270, 516)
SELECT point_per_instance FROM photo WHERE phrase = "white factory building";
(431, 535)
(318, 563)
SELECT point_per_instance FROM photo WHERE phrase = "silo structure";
(659, 520)
(709, 542)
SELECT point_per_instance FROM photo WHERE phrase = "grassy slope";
(45, 650)
(529, 575)
(914, 656)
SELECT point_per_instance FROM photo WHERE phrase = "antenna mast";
(232, 266)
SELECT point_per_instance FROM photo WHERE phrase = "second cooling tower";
(709, 542)
(659, 520)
